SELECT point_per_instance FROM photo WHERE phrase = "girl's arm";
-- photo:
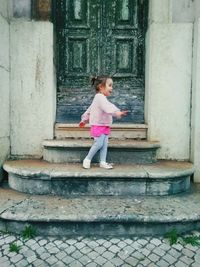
(120, 114)
(110, 108)
(107, 106)
(85, 117)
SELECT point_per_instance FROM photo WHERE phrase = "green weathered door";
(97, 37)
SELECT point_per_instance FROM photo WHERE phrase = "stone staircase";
(60, 197)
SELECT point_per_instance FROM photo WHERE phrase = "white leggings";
(100, 143)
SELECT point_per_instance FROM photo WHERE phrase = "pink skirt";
(96, 130)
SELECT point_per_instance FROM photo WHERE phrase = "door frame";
(143, 76)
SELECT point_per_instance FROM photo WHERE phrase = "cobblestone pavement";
(93, 252)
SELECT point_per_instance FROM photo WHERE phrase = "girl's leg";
(104, 148)
(103, 154)
(98, 143)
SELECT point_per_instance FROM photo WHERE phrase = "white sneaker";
(86, 163)
(105, 165)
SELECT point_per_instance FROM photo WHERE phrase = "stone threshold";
(119, 131)
(135, 216)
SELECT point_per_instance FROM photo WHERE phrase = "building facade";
(29, 70)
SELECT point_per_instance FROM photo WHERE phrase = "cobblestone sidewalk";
(93, 252)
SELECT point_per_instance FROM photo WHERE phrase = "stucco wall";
(183, 11)
(176, 140)
(168, 88)
(195, 136)
(33, 93)
(4, 84)
(160, 11)
(173, 11)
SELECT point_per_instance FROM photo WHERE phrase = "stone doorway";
(96, 37)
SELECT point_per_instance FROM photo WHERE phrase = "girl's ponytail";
(93, 80)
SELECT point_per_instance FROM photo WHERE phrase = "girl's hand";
(82, 124)
(124, 113)
(119, 114)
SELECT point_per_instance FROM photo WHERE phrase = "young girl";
(99, 115)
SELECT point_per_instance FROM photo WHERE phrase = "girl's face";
(107, 88)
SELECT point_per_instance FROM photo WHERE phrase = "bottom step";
(115, 216)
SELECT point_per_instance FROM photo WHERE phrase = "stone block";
(4, 6)
(183, 11)
(32, 80)
(195, 122)
(160, 11)
(4, 44)
(168, 90)
(99, 186)
(31, 186)
(169, 187)
(5, 105)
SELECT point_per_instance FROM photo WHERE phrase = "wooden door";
(95, 37)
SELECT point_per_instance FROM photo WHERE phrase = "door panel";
(124, 46)
(97, 37)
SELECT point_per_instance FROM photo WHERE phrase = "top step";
(119, 131)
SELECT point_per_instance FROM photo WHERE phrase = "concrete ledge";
(100, 215)
(120, 151)
(40, 177)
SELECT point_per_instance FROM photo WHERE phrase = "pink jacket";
(100, 112)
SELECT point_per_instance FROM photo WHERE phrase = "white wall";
(183, 11)
(168, 77)
(4, 84)
(172, 77)
(33, 92)
(160, 11)
(195, 140)
(168, 88)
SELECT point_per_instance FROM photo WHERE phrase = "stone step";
(119, 131)
(41, 177)
(120, 151)
(99, 216)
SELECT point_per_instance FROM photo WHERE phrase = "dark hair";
(99, 80)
